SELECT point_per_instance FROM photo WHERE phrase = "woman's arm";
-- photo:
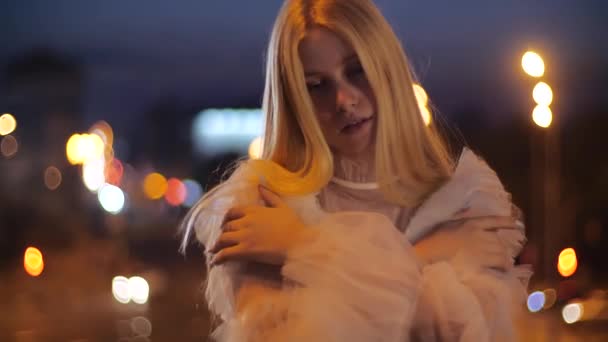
(471, 290)
(357, 280)
(492, 240)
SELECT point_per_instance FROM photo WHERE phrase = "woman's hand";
(262, 234)
(475, 238)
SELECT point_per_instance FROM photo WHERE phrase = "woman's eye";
(315, 85)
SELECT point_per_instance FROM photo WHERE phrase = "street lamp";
(533, 64)
(544, 162)
(542, 116)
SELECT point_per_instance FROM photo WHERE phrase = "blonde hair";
(411, 159)
(293, 138)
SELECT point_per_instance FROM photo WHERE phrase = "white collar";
(354, 185)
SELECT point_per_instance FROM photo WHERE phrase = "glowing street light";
(33, 261)
(423, 100)
(542, 94)
(567, 263)
(542, 116)
(7, 124)
(533, 64)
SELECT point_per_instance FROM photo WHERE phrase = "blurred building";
(41, 192)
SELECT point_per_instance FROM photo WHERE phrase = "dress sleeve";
(357, 281)
(460, 299)
(205, 219)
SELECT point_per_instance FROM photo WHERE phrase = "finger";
(235, 213)
(235, 225)
(227, 254)
(271, 199)
(227, 239)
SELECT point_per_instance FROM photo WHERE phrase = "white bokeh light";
(121, 289)
(139, 290)
(216, 131)
(141, 326)
(533, 64)
(93, 174)
(542, 94)
(572, 313)
(542, 116)
(111, 198)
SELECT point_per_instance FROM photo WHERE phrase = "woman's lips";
(355, 125)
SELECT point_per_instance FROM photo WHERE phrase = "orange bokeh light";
(567, 263)
(33, 261)
(176, 192)
(155, 186)
(114, 172)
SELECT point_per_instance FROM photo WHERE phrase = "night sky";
(210, 53)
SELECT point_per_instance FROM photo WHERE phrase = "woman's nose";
(347, 97)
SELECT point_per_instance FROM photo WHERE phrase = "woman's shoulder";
(474, 187)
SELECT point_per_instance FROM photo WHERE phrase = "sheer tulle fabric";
(360, 281)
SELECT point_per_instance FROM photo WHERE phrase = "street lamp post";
(544, 166)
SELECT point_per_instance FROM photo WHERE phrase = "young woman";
(356, 224)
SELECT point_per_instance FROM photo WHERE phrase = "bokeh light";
(536, 301)
(533, 64)
(176, 192)
(71, 149)
(542, 116)
(426, 115)
(215, 131)
(550, 298)
(9, 146)
(566, 262)
(194, 191)
(421, 95)
(114, 172)
(33, 261)
(111, 198)
(104, 131)
(82, 148)
(141, 326)
(255, 148)
(139, 290)
(121, 289)
(542, 94)
(8, 124)
(572, 312)
(93, 175)
(423, 99)
(155, 186)
(52, 178)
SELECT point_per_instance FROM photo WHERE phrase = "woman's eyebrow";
(345, 60)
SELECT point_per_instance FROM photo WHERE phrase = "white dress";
(360, 280)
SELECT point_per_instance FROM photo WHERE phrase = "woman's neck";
(360, 169)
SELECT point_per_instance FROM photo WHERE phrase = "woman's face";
(344, 103)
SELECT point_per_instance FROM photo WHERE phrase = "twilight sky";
(210, 53)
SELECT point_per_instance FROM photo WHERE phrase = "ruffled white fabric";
(359, 280)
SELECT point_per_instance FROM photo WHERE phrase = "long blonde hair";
(411, 159)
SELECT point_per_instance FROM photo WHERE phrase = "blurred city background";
(115, 117)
